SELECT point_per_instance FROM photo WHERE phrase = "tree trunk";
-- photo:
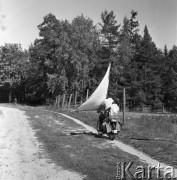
(10, 94)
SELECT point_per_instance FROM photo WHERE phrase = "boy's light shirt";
(114, 109)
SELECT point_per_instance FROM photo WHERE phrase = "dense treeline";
(73, 56)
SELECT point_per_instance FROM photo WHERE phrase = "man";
(113, 114)
(104, 112)
(114, 110)
(108, 109)
(106, 104)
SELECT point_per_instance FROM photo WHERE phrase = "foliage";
(73, 56)
(109, 31)
(13, 66)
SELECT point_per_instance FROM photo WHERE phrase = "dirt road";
(21, 157)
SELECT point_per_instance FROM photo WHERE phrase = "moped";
(108, 125)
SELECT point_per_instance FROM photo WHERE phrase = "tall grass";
(148, 126)
(153, 134)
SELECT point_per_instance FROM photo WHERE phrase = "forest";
(73, 56)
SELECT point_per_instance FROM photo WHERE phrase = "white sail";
(100, 94)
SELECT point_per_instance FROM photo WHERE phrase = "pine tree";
(148, 70)
(135, 93)
(170, 78)
(125, 69)
(109, 37)
(121, 62)
(109, 31)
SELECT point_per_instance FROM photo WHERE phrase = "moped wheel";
(113, 125)
(98, 129)
(112, 136)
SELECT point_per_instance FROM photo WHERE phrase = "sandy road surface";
(20, 155)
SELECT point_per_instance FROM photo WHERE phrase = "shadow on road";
(89, 133)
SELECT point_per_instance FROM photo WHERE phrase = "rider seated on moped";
(108, 109)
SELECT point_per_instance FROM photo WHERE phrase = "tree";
(109, 31)
(169, 77)
(124, 51)
(48, 56)
(122, 59)
(84, 40)
(109, 36)
(63, 57)
(134, 29)
(13, 66)
(134, 91)
(124, 68)
(148, 63)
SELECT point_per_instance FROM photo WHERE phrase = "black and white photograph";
(88, 90)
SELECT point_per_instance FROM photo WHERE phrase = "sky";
(19, 18)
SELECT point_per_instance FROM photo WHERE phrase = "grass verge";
(84, 153)
(153, 134)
